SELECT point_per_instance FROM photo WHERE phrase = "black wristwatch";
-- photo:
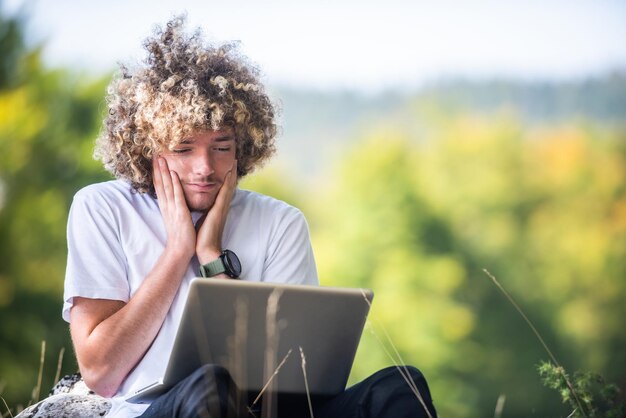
(227, 263)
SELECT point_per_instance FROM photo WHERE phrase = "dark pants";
(210, 392)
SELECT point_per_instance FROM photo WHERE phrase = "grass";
(587, 393)
(271, 370)
(397, 361)
(272, 337)
(36, 392)
(497, 413)
(7, 407)
(306, 382)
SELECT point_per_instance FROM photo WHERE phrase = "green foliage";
(598, 399)
(48, 120)
(418, 203)
(12, 48)
(416, 218)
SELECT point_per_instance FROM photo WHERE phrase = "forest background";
(419, 192)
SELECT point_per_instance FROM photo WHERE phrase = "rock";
(69, 398)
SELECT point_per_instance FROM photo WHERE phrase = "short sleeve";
(290, 255)
(96, 264)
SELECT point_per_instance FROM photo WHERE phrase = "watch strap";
(213, 268)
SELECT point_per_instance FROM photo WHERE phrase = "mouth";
(200, 187)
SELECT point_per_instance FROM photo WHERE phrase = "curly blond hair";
(186, 86)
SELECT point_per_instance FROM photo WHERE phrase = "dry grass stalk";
(239, 359)
(202, 341)
(57, 376)
(543, 343)
(272, 350)
(7, 407)
(397, 361)
(499, 406)
(269, 381)
(37, 389)
(403, 372)
(306, 382)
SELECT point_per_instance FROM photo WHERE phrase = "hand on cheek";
(209, 240)
(181, 234)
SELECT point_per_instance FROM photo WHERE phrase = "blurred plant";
(421, 200)
(587, 393)
(48, 119)
(565, 380)
(599, 398)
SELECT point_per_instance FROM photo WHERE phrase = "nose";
(203, 164)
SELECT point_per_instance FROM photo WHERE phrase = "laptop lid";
(261, 332)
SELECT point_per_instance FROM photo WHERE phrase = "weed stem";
(57, 376)
(543, 343)
(402, 369)
(6, 406)
(306, 382)
(42, 357)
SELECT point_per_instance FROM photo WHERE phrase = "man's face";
(201, 162)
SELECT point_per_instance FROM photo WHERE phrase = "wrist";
(178, 252)
(206, 256)
(226, 263)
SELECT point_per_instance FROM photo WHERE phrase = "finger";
(166, 179)
(222, 201)
(157, 180)
(234, 177)
(231, 182)
(210, 231)
(200, 222)
(179, 194)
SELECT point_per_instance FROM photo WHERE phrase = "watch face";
(232, 264)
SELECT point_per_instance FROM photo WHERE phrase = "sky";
(352, 44)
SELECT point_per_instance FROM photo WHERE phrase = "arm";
(111, 337)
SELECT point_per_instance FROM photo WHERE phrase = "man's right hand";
(181, 234)
(111, 337)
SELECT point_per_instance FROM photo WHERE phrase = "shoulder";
(112, 201)
(272, 218)
(114, 193)
(108, 190)
(257, 204)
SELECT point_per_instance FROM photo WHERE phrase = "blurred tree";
(48, 120)
(13, 50)
(417, 219)
(415, 210)
(377, 230)
(542, 209)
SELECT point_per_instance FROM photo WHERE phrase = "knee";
(209, 378)
(213, 372)
(399, 377)
(398, 390)
(208, 370)
(207, 389)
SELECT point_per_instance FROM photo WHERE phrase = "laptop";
(263, 333)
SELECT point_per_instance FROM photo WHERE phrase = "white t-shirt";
(115, 236)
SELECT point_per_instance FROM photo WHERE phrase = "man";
(179, 133)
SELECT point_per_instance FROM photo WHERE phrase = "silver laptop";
(264, 333)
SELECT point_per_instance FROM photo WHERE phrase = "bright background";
(365, 45)
(424, 141)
